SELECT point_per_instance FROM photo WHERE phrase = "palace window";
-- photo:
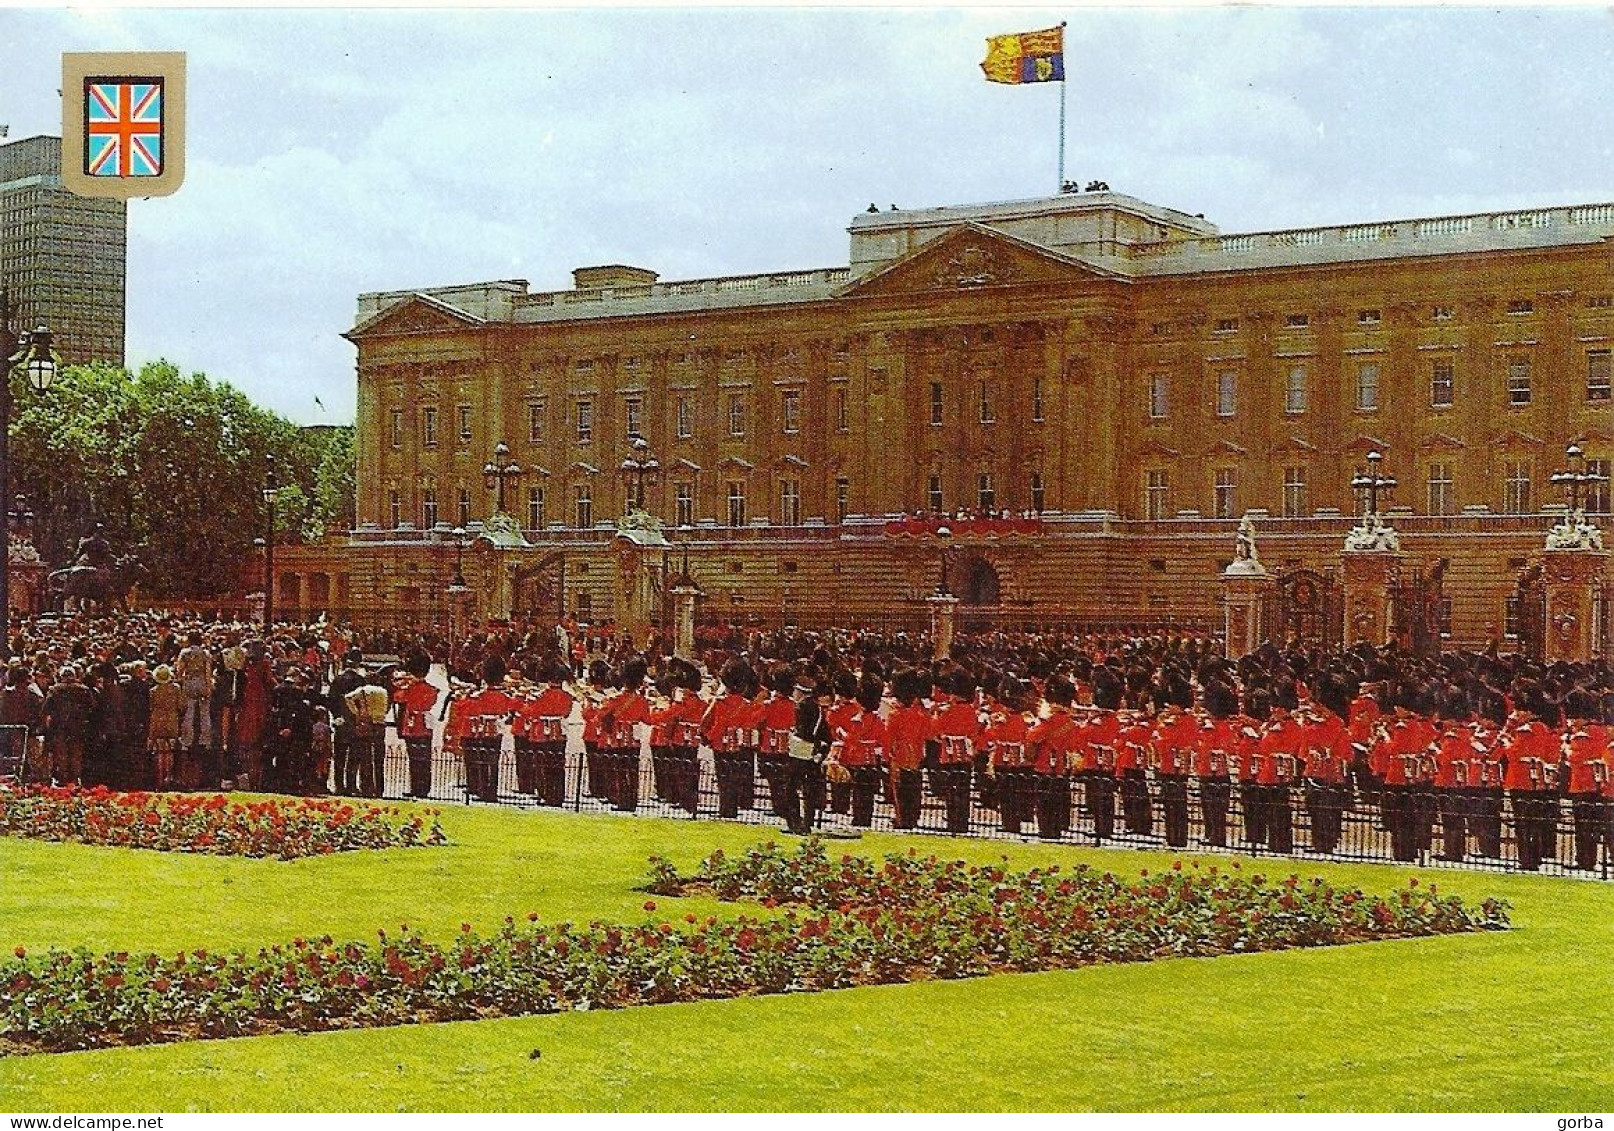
(985, 403)
(394, 509)
(428, 508)
(790, 411)
(789, 502)
(685, 416)
(934, 494)
(1227, 325)
(1367, 387)
(465, 507)
(633, 414)
(935, 403)
(736, 414)
(1597, 493)
(1519, 381)
(428, 427)
(843, 419)
(1295, 498)
(1442, 314)
(535, 422)
(1158, 389)
(1157, 494)
(1442, 498)
(1442, 382)
(1296, 321)
(1224, 499)
(1227, 393)
(1516, 487)
(1037, 410)
(1294, 393)
(1037, 492)
(397, 427)
(1369, 317)
(464, 419)
(1521, 306)
(1598, 375)
(736, 503)
(985, 497)
(583, 506)
(843, 493)
(684, 504)
(535, 508)
(585, 420)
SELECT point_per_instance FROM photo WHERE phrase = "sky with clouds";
(334, 152)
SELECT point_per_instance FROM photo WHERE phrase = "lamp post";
(945, 533)
(499, 470)
(31, 353)
(457, 589)
(639, 468)
(1576, 482)
(271, 491)
(1373, 482)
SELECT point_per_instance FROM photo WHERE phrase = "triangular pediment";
(1364, 444)
(1441, 441)
(1226, 448)
(417, 314)
(973, 257)
(1515, 439)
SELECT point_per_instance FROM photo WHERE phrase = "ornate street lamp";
(498, 471)
(457, 591)
(1576, 482)
(271, 492)
(29, 352)
(639, 468)
(1373, 482)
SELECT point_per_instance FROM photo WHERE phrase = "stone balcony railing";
(779, 282)
(1415, 235)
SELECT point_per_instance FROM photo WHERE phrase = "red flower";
(21, 952)
(649, 905)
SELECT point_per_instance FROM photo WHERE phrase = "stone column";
(1371, 578)
(684, 597)
(1573, 578)
(943, 613)
(1246, 585)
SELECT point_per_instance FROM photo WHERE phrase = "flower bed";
(848, 922)
(287, 828)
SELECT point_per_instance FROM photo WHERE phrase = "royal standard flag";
(1027, 56)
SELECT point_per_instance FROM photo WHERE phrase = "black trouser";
(1214, 795)
(419, 747)
(346, 769)
(1101, 802)
(840, 795)
(622, 764)
(771, 768)
(549, 771)
(1053, 805)
(1325, 801)
(1138, 813)
(1280, 819)
(1455, 806)
(865, 784)
(1421, 810)
(1017, 797)
(1253, 800)
(1591, 827)
(1174, 808)
(734, 781)
(907, 793)
(370, 751)
(1547, 817)
(986, 785)
(955, 791)
(598, 775)
(1526, 807)
(803, 782)
(1395, 803)
(526, 765)
(1485, 819)
(662, 787)
(482, 768)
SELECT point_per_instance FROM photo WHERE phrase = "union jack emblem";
(123, 127)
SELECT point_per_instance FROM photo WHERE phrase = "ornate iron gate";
(1527, 610)
(1306, 607)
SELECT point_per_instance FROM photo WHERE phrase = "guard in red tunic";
(540, 730)
(1100, 737)
(1172, 745)
(415, 698)
(1486, 796)
(1213, 756)
(1456, 770)
(1283, 741)
(1005, 741)
(958, 730)
(620, 740)
(863, 750)
(476, 726)
(1131, 771)
(1588, 772)
(842, 711)
(1053, 745)
(726, 728)
(1326, 757)
(1531, 742)
(775, 719)
(1251, 763)
(908, 729)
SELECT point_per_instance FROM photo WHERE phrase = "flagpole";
(1060, 187)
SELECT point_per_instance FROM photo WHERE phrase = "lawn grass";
(1512, 1021)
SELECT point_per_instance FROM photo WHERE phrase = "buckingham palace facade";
(1122, 381)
